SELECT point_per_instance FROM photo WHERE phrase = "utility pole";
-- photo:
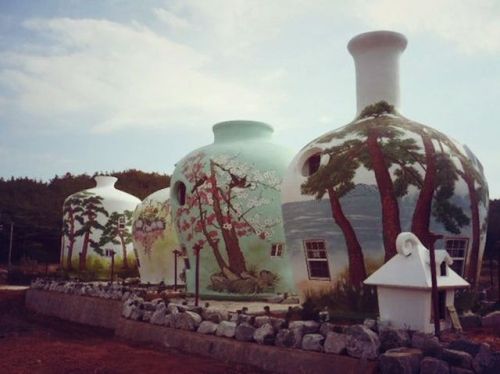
(10, 243)
(176, 254)
(197, 249)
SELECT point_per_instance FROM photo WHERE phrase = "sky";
(89, 86)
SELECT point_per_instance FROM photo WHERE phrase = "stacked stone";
(424, 354)
(356, 341)
(104, 290)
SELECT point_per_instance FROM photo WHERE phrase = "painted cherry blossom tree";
(223, 205)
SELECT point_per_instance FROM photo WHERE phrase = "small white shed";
(404, 286)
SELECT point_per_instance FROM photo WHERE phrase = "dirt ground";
(31, 343)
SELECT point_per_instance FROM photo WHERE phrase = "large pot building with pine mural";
(349, 193)
(97, 228)
(155, 241)
(226, 207)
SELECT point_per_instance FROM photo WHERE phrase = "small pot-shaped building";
(349, 193)
(404, 286)
(155, 240)
(97, 230)
(226, 206)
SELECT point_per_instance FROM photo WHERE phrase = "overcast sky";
(91, 86)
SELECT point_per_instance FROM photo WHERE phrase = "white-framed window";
(277, 249)
(109, 252)
(317, 259)
(121, 223)
(457, 249)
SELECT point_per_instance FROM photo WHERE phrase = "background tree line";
(35, 207)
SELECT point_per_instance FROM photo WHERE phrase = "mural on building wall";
(155, 240)
(230, 218)
(362, 185)
(91, 233)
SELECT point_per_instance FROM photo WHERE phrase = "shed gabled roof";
(410, 267)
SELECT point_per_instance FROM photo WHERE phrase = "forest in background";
(35, 207)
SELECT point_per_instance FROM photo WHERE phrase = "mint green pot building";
(226, 206)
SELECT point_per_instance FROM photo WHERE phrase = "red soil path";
(31, 343)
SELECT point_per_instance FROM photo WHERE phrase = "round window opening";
(180, 193)
(311, 165)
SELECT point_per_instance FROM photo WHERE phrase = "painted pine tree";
(87, 219)
(117, 231)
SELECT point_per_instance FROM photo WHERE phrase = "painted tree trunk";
(474, 208)
(390, 209)
(215, 247)
(124, 251)
(71, 237)
(83, 254)
(422, 214)
(235, 256)
(357, 271)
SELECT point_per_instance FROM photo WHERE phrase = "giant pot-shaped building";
(349, 193)
(226, 206)
(97, 226)
(155, 240)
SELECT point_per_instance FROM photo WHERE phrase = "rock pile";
(104, 290)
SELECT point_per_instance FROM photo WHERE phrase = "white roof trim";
(410, 267)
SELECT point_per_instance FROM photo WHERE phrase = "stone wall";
(106, 313)
(81, 309)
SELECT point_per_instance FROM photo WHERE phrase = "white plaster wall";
(405, 308)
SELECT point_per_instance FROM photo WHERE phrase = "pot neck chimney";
(241, 131)
(105, 181)
(376, 57)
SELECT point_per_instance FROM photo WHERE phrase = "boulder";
(127, 309)
(289, 338)
(214, 315)
(482, 359)
(149, 306)
(245, 318)
(465, 346)
(207, 327)
(226, 329)
(457, 358)
(391, 338)
(326, 327)
(261, 321)
(362, 342)
(264, 334)
(168, 320)
(186, 320)
(158, 317)
(491, 320)
(370, 323)
(335, 343)
(276, 323)
(244, 332)
(427, 343)
(431, 365)
(137, 313)
(401, 360)
(146, 317)
(313, 342)
(161, 307)
(172, 308)
(308, 327)
(470, 320)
